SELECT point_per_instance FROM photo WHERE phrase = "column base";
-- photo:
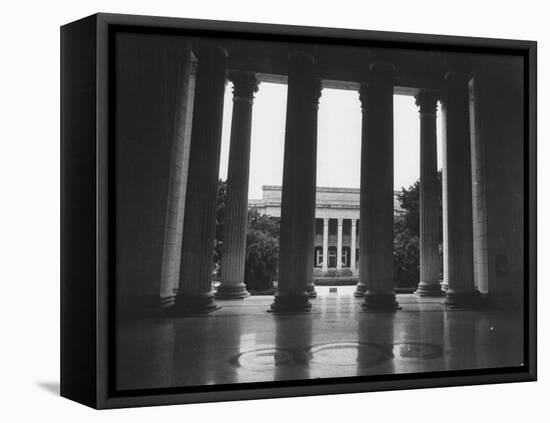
(190, 304)
(463, 300)
(232, 292)
(426, 289)
(291, 303)
(310, 289)
(384, 301)
(360, 290)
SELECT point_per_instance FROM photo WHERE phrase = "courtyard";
(242, 342)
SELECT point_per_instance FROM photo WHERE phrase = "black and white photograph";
(274, 212)
(291, 211)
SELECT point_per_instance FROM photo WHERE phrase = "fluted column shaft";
(310, 286)
(195, 282)
(429, 219)
(325, 244)
(458, 175)
(444, 212)
(353, 244)
(339, 245)
(232, 285)
(376, 192)
(299, 182)
(361, 287)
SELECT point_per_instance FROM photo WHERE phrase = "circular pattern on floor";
(417, 350)
(268, 358)
(356, 354)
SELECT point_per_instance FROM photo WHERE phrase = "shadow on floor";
(51, 387)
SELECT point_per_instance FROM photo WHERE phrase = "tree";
(220, 220)
(406, 235)
(262, 245)
(262, 251)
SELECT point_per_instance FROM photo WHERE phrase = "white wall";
(29, 178)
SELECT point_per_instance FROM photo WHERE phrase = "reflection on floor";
(243, 343)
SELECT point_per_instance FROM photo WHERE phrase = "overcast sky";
(339, 139)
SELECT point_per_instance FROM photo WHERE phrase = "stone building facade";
(336, 244)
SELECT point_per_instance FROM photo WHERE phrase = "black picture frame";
(87, 278)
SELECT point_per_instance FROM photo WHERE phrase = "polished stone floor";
(243, 343)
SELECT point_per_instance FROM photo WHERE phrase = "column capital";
(301, 65)
(325, 221)
(340, 221)
(210, 56)
(363, 95)
(312, 90)
(427, 102)
(245, 84)
(380, 74)
(208, 49)
(316, 89)
(456, 80)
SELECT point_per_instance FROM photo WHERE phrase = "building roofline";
(319, 189)
(323, 189)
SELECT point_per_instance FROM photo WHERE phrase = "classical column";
(298, 196)
(232, 286)
(195, 282)
(179, 158)
(444, 190)
(361, 287)
(376, 193)
(185, 168)
(310, 286)
(353, 246)
(429, 220)
(325, 244)
(458, 175)
(339, 245)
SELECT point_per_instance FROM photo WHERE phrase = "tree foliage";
(262, 251)
(406, 235)
(220, 220)
(262, 245)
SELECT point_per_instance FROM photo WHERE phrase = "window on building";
(319, 226)
(346, 227)
(318, 255)
(332, 226)
(345, 256)
(332, 253)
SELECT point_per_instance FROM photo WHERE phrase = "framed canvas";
(257, 211)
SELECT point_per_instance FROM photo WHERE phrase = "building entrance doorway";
(332, 257)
